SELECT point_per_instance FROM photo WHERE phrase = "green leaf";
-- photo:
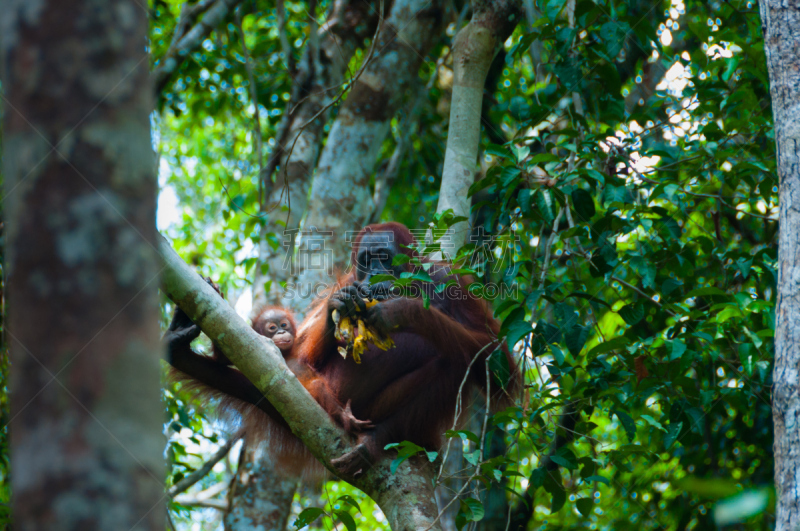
(524, 200)
(615, 194)
(405, 450)
(748, 356)
(543, 157)
(550, 333)
(558, 356)
(608, 346)
(520, 152)
(567, 316)
(347, 520)
(465, 435)
(584, 506)
(516, 329)
(553, 484)
(544, 206)
(676, 350)
(583, 203)
(307, 516)
(670, 285)
(350, 501)
(673, 431)
(480, 184)
(381, 278)
(400, 259)
(653, 422)
(473, 458)
(627, 423)
(498, 151)
(667, 226)
(575, 338)
(473, 509)
(560, 461)
(509, 175)
(646, 271)
(499, 367)
(632, 313)
(728, 313)
(533, 296)
(704, 292)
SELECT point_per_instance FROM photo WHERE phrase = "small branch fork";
(185, 40)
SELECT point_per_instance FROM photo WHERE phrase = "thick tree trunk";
(86, 429)
(473, 50)
(406, 496)
(341, 198)
(259, 497)
(781, 24)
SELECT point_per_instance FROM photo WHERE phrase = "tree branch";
(193, 501)
(473, 50)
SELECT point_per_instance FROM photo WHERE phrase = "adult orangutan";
(410, 391)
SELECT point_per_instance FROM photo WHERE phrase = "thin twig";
(459, 399)
(550, 241)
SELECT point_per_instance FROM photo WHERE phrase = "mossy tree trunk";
(80, 190)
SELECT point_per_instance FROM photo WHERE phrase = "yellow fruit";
(359, 335)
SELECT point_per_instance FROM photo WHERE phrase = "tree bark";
(406, 497)
(259, 497)
(473, 50)
(341, 199)
(781, 23)
(86, 429)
